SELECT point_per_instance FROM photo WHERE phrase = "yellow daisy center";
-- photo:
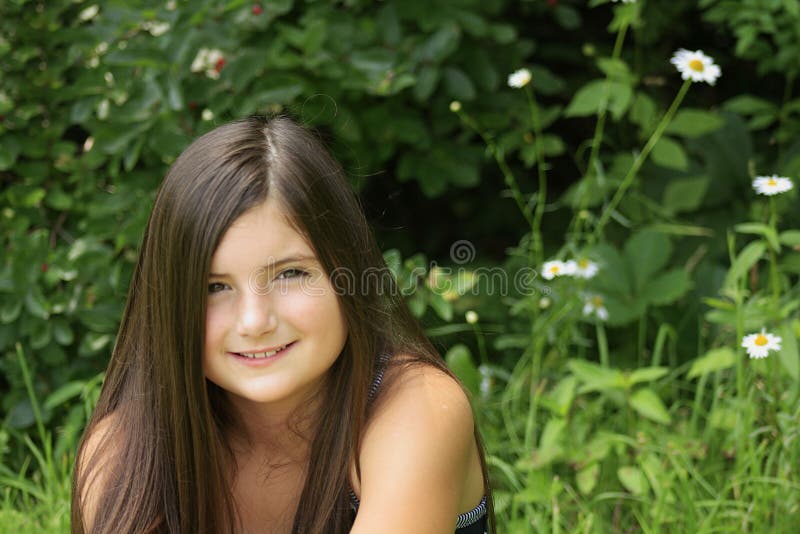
(597, 301)
(584, 263)
(772, 182)
(761, 340)
(554, 269)
(697, 65)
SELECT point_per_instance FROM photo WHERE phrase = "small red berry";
(257, 10)
(192, 105)
(552, 3)
(2, 118)
(219, 64)
(45, 267)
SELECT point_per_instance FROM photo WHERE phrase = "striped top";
(471, 522)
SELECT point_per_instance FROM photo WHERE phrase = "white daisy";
(585, 268)
(554, 268)
(519, 78)
(594, 305)
(759, 345)
(696, 66)
(772, 185)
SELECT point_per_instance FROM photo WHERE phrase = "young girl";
(267, 375)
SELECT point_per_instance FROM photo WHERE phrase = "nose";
(256, 315)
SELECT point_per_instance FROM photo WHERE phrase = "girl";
(267, 375)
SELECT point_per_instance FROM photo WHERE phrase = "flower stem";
(597, 138)
(481, 344)
(535, 393)
(773, 262)
(640, 159)
(602, 345)
(508, 174)
(537, 249)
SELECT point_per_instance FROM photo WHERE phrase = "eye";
(216, 287)
(291, 273)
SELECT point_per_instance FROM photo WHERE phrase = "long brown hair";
(166, 461)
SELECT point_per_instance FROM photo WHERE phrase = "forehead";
(262, 234)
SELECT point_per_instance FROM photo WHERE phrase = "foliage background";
(96, 100)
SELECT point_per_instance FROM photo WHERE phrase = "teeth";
(261, 355)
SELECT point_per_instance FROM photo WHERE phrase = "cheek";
(318, 313)
(214, 327)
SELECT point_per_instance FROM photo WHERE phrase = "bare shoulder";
(419, 460)
(93, 466)
(421, 395)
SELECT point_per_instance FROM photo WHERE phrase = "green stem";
(640, 159)
(784, 112)
(602, 345)
(533, 407)
(642, 338)
(537, 248)
(481, 344)
(26, 377)
(599, 128)
(508, 175)
(773, 262)
(741, 436)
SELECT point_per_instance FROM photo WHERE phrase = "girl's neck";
(284, 432)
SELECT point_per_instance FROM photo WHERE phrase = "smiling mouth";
(263, 355)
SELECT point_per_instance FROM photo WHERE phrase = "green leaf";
(587, 100)
(440, 45)
(459, 360)
(790, 238)
(789, 357)
(174, 93)
(41, 334)
(643, 113)
(596, 377)
(373, 61)
(760, 229)
(667, 287)
(713, 360)
(458, 84)
(587, 478)
(633, 480)
(669, 153)
(62, 332)
(685, 194)
(647, 253)
(694, 123)
(427, 79)
(749, 105)
(443, 308)
(646, 374)
(615, 69)
(560, 398)
(646, 402)
(746, 259)
(10, 310)
(63, 394)
(35, 305)
(550, 447)
(9, 150)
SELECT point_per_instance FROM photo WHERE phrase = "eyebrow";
(278, 264)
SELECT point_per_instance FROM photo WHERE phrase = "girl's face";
(273, 323)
